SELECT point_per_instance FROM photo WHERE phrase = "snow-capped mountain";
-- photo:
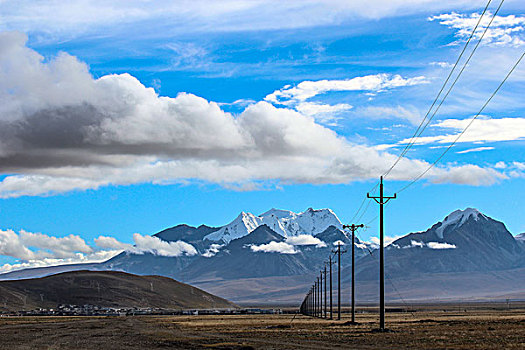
(458, 218)
(285, 223)
(464, 254)
(466, 240)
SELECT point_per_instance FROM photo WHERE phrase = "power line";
(459, 74)
(419, 129)
(466, 128)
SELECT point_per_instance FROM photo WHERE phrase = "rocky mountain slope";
(466, 240)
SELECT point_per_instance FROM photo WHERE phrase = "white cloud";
(408, 113)
(323, 113)
(305, 240)
(441, 64)
(274, 247)
(106, 242)
(519, 165)
(40, 250)
(477, 149)
(374, 241)
(438, 245)
(79, 258)
(431, 245)
(470, 174)
(62, 130)
(62, 247)
(156, 246)
(336, 243)
(212, 250)
(416, 244)
(500, 165)
(504, 30)
(44, 246)
(11, 245)
(136, 19)
(483, 129)
(308, 89)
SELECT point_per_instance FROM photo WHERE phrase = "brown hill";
(106, 289)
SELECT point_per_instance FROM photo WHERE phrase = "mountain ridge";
(465, 241)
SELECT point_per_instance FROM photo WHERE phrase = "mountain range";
(273, 258)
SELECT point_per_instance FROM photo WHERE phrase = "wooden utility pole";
(331, 306)
(325, 296)
(381, 200)
(321, 294)
(353, 228)
(339, 252)
(316, 296)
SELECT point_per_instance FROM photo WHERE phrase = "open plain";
(429, 327)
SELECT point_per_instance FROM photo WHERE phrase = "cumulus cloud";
(416, 244)
(504, 30)
(431, 245)
(374, 241)
(156, 246)
(274, 247)
(11, 245)
(305, 240)
(40, 250)
(106, 242)
(470, 174)
(19, 245)
(63, 130)
(438, 245)
(212, 250)
(79, 258)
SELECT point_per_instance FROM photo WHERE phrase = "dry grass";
(427, 329)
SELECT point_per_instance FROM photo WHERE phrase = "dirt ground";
(483, 328)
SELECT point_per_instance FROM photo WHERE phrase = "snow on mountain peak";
(284, 222)
(520, 237)
(458, 218)
(279, 213)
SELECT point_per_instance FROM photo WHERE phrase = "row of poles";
(315, 302)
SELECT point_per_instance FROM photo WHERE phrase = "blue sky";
(134, 116)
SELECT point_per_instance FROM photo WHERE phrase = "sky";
(119, 119)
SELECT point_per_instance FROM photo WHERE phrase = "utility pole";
(381, 200)
(325, 304)
(339, 252)
(316, 294)
(310, 302)
(331, 307)
(317, 297)
(321, 294)
(353, 228)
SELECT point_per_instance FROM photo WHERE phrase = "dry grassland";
(426, 329)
